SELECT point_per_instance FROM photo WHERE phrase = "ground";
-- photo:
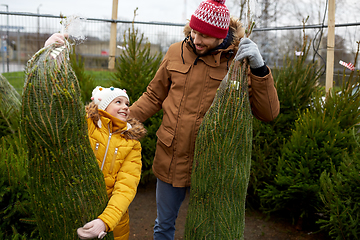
(257, 226)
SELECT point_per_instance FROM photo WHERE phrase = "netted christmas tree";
(9, 107)
(222, 160)
(66, 184)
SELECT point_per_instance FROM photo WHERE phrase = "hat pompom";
(96, 90)
(220, 1)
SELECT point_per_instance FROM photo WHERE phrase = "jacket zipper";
(107, 148)
(96, 148)
(113, 160)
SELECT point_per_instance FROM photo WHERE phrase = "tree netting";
(10, 98)
(9, 107)
(66, 184)
(222, 160)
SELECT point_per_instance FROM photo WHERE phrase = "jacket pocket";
(178, 74)
(165, 136)
(217, 74)
(178, 67)
(214, 80)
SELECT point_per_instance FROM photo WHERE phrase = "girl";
(115, 140)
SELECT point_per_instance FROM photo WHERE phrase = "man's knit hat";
(212, 18)
(104, 96)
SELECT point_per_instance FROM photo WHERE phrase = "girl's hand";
(94, 229)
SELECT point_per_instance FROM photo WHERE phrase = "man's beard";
(197, 51)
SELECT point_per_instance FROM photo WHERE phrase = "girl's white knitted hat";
(104, 96)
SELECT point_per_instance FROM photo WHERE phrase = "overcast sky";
(156, 10)
(164, 10)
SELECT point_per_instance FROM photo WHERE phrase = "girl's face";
(119, 108)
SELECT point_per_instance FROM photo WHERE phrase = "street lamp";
(38, 30)
(7, 36)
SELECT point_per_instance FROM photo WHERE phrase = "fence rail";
(22, 34)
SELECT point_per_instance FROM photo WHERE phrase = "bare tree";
(238, 8)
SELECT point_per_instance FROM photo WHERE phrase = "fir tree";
(66, 184)
(322, 136)
(296, 83)
(86, 82)
(16, 212)
(10, 103)
(135, 68)
(222, 159)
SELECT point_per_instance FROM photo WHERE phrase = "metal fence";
(22, 34)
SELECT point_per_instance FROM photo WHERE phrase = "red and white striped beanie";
(212, 18)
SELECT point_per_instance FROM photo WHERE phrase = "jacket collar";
(114, 123)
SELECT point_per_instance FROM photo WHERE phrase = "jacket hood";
(236, 28)
(136, 132)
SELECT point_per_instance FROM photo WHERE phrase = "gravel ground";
(257, 226)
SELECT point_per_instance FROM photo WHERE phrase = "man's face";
(204, 43)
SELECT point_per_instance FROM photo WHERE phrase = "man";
(184, 87)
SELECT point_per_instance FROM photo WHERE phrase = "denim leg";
(168, 201)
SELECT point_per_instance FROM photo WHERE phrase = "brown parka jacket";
(184, 87)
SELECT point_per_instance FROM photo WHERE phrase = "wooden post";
(330, 47)
(112, 47)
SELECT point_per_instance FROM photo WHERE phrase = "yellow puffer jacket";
(118, 152)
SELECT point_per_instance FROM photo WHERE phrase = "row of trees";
(300, 157)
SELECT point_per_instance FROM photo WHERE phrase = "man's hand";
(57, 38)
(248, 49)
(94, 229)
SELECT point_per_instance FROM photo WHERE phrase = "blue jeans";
(168, 201)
